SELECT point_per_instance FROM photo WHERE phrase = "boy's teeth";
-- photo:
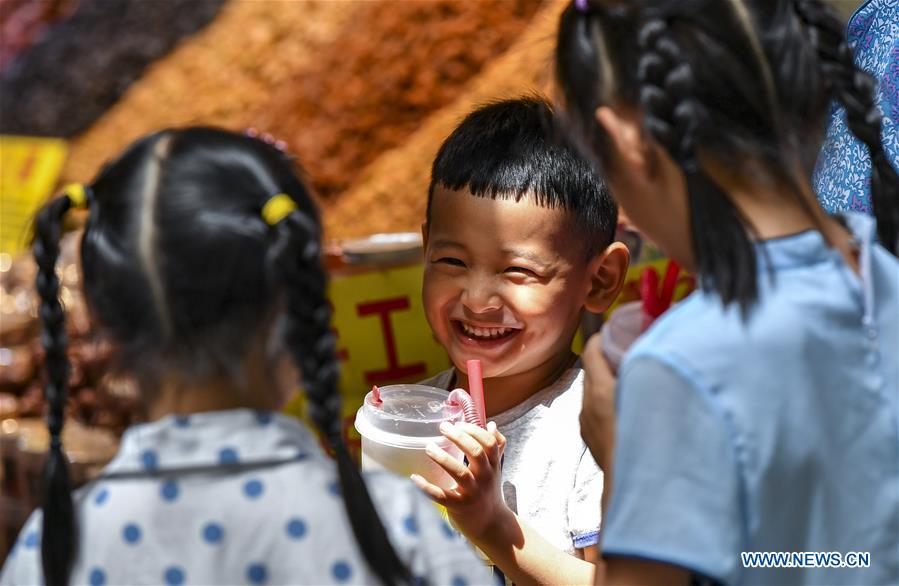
(485, 332)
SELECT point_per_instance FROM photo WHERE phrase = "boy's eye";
(448, 260)
(521, 271)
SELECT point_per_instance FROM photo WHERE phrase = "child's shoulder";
(700, 335)
(558, 401)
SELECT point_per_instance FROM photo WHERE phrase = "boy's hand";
(598, 410)
(476, 502)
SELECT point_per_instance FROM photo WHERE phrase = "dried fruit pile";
(22, 22)
(97, 396)
(217, 77)
(393, 64)
(391, 193)
(83, 63)
(340, 82)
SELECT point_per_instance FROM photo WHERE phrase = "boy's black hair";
(511, 149)
(182, 273)
(743, 82)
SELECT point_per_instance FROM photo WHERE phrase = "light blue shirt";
(238, 497)
(780, 433)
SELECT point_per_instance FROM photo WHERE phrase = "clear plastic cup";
(396, 431)
(621, 330)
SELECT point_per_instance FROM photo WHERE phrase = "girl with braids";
(761, 413)
(201, 263)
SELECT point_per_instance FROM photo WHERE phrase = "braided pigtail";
(296, 259)
(724, 254)
(582, 65)
(59, 531)
(855, 90)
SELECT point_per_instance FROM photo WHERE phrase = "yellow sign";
(29, 170)
(382, 337)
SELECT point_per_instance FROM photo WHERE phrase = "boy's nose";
(481, 298)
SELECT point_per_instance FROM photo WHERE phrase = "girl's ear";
(625, 132)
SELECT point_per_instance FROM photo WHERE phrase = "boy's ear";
(424, 236)
(607, 271)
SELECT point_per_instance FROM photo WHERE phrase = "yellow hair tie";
(77, 195)
(277, 208)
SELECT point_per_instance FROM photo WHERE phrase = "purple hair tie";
(582, 6)
(266, 138)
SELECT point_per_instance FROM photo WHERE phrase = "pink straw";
(460, 398)
(476, 389)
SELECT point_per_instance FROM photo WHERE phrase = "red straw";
(649, 292)
(668, 284)
(376, 395)
(476, 388)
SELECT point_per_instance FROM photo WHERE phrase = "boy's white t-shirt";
(549, 477)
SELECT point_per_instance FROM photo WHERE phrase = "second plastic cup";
(396, 430)
(621, 330)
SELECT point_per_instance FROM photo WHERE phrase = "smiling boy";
(518, 243)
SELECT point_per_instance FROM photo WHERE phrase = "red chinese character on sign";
(28, 165)
(394, 371)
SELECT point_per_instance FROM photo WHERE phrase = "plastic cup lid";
(412, 411)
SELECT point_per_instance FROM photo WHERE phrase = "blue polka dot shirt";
(144, 522)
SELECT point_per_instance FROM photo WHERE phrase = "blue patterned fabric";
(843, 172)
(236, 519)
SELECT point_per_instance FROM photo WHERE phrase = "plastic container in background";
(381, 249)
(621, 330)
(396, 430)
